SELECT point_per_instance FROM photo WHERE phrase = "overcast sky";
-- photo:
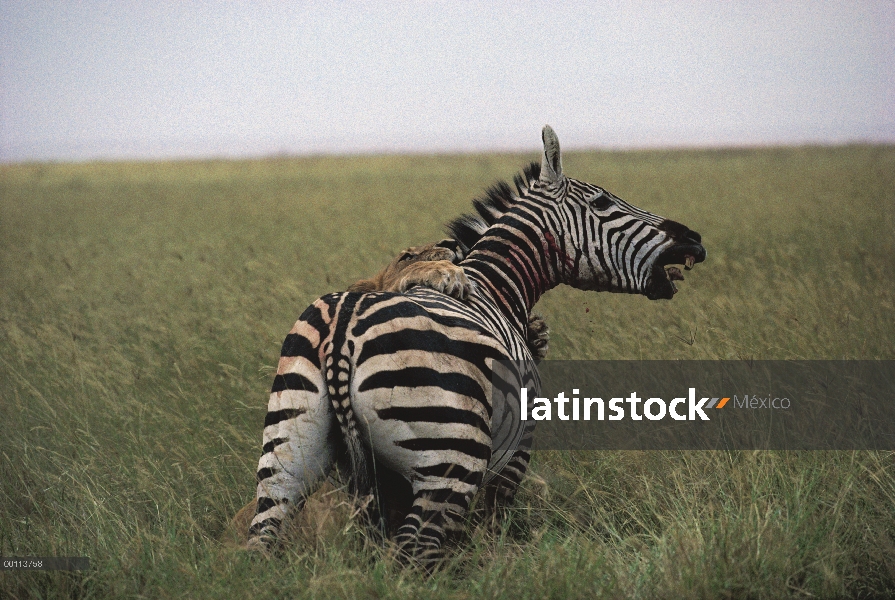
(122, 79)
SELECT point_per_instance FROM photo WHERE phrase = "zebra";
(396, 388)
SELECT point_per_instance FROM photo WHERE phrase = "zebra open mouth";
(665, 272)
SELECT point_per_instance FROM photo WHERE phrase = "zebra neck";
(512, 271)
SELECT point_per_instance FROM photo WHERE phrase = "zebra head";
(597, 241)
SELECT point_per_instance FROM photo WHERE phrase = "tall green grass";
(142, 307)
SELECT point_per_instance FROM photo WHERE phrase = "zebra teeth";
(689, 261)
(674, 274)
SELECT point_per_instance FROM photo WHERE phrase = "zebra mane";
(469, 229)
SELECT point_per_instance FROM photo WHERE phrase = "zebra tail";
(338, 374)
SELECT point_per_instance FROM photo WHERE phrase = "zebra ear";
(551, 164)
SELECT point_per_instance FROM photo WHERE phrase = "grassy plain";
(142, 307)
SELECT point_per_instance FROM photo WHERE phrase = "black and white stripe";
(397, 388)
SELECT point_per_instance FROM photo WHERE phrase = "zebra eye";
(601, 202)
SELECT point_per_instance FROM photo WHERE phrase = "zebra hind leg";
(500, 492)
(300, 448)
(434, 514)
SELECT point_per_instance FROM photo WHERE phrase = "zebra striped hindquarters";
(402, 380)
(396, 388)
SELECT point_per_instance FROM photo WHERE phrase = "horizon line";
(285, 154)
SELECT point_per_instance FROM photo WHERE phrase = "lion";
(434, 266)
(431, 266)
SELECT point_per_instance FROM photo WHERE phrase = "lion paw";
(440, 275)
(537, 336)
